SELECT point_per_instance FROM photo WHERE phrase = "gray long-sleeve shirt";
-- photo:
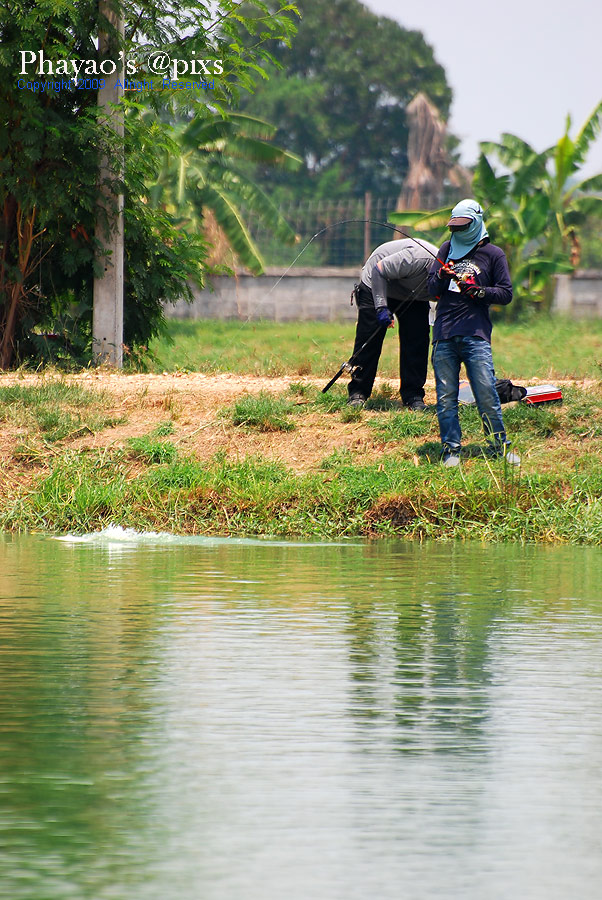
(403, 269)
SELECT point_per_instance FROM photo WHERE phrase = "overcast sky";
(517, 66)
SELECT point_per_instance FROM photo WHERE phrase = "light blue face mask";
(462, 242)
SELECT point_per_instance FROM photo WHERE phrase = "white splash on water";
(116, 535)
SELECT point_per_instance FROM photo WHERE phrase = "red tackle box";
(542, 393)
(538, 393)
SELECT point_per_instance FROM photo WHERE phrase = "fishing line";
(316, 235)
(347, 222)
(334, 225)
(406, 304)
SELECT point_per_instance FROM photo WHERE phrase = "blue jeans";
(475, 353)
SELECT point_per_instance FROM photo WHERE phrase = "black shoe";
(416, 405)
(356, 400)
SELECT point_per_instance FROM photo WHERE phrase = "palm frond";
(584, 206)
(251, 197)
(244, 147)
(487, 184)
(423, 220)
(564, 160)
(533, 171)
(588, 133)
(510, 149)
(231, 222)
(594, 183)
(201, 175)
(204, 130)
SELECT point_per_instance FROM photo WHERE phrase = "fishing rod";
(463, 282)
(348, 365)
(460, 279)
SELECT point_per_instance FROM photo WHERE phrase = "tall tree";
(51, 142)
(340, 100)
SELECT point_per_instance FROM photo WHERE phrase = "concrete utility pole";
(107, 318)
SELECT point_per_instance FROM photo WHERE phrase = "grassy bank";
(384, 478)
(259, 496)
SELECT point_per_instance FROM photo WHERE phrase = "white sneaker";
(513, 459)
(451, 460)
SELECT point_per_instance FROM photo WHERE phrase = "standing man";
(474, 275)
(394, 281)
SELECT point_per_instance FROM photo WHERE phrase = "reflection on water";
(217, 719)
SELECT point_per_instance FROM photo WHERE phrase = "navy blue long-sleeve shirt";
(458, 314)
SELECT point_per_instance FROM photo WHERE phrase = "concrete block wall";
(320, 295)
(579, 295)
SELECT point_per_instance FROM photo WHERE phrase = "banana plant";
(540, 203)
(203, 175)
(533, 208)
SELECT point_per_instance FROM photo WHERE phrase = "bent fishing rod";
(348, 365)
(346, 222)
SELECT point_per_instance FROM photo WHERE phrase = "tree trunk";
(19, 230)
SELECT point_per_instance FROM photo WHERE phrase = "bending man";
(394, 281)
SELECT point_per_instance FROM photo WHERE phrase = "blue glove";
(384, 316)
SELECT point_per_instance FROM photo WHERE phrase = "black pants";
(413, 324)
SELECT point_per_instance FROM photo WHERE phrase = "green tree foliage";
(340, 99)
(51, 142)
(204, 175)
(48, 147)
(535, 208)
(538, 205)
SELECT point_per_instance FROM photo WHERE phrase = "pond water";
(252, 720)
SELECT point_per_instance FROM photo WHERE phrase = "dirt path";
(193, 403)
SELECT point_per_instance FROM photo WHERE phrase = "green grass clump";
(332, 401)
(338, 459)
(383, 399)
(82, 492)
(298, 389)
(263, 412)
(351, 414)
(392, 496)
(403, 425)
(583, 413)
(151, 450)
(164, 429)
(50, 392)
(55, 410)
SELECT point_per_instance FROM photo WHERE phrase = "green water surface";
(212, 719)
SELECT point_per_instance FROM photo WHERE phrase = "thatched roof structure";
(429, 164)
